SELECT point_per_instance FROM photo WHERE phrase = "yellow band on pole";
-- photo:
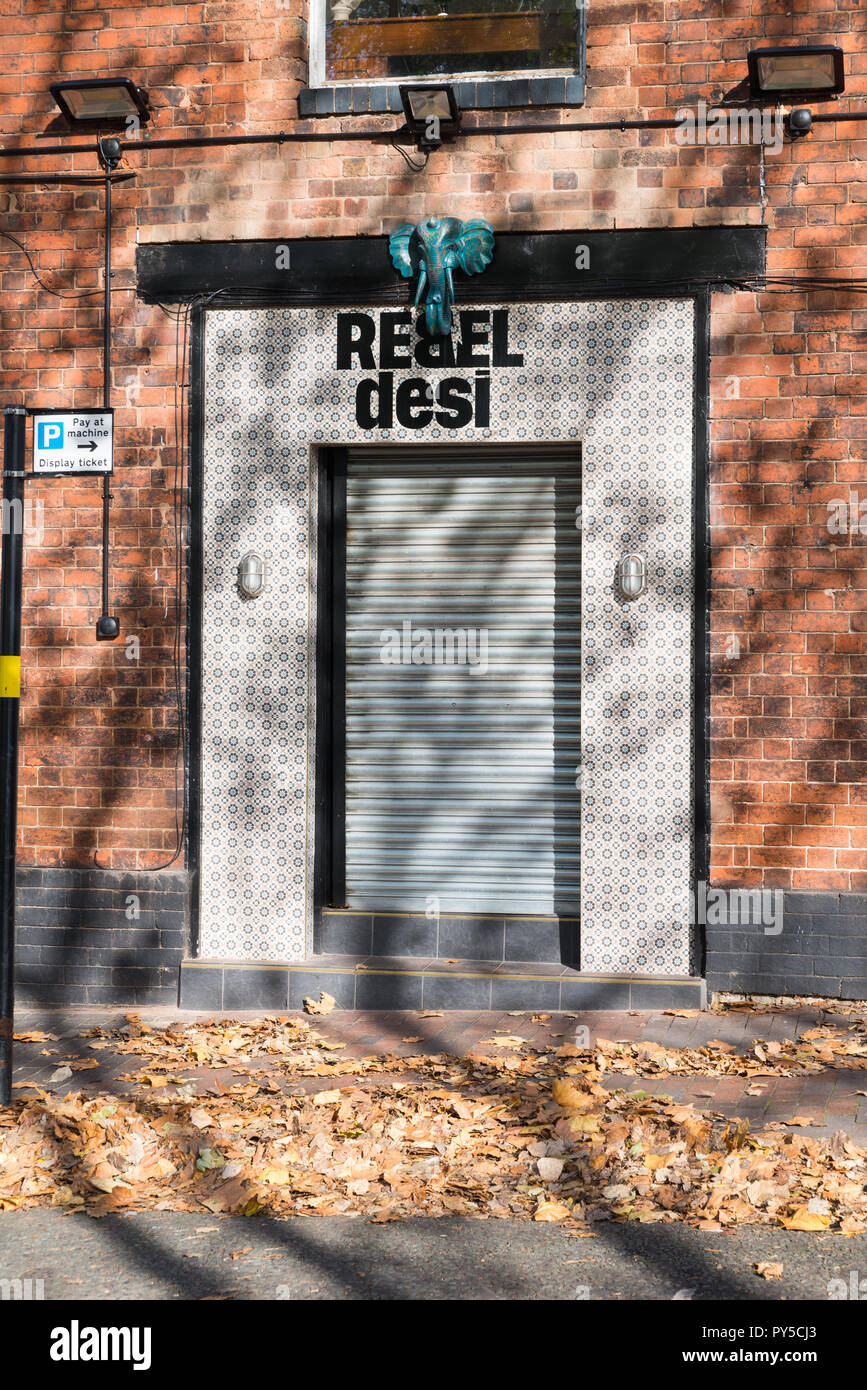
(10, 677)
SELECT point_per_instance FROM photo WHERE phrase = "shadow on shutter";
(463, 680)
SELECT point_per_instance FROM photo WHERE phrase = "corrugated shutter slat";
(461, 785)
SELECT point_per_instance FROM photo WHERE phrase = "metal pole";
(15, 421)
(107, 627)
(106, 380)
(386, 136)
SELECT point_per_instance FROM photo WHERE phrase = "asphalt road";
(170, 1255)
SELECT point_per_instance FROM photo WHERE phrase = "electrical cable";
(52, 180)
(626, 285)
(182, 318)
(180, 408)
(386, 135)
(180, 391)
(416, 168)
(58, 294)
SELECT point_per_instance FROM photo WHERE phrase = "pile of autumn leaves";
(506, 1132)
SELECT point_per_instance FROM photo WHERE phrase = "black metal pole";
(107, 627)
(15, 421)
(106, 380)
(386, 136)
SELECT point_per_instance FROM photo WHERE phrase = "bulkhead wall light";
(251, 575)
(632, 576)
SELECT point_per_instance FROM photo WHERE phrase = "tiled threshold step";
(412, 982)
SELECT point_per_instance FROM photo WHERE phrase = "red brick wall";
(788, 414)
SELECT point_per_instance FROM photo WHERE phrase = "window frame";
(475, 90)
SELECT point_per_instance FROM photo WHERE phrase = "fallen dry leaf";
(551, 1211)
(325, 1004)
(280, 1131)
(550, 1169)
(804, 1220)
(572, 1097)
(276, 1176)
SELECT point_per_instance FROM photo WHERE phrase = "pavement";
(176, 1255)
(832, 1100)
(180, 1256)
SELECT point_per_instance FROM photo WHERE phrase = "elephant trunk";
(438, 309)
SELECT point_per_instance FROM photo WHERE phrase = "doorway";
(453, 651)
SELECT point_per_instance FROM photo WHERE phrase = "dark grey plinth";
(81, 938)
(415, 982)
(820, 951)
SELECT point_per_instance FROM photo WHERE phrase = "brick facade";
(788, 417)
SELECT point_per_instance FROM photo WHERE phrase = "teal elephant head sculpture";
(432, 250)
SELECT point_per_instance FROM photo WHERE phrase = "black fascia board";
(536, 265)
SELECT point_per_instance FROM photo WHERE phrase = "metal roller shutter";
(461, 781)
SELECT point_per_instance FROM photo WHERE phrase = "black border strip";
(701, 615)
(195, 615)
(330, 684)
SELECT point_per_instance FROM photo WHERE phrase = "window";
(482, 44)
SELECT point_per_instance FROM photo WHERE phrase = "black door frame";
(329, 851)
(330, 677)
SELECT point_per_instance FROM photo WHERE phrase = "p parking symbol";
(49, 434)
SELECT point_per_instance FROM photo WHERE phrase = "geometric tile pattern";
(636, 677)
(617, 376)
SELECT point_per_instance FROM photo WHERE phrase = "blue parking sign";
(49, 434)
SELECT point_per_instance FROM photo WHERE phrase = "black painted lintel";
(526, 266)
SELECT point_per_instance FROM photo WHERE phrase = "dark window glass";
(378, 40)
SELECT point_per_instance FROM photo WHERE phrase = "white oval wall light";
(632, 576)
(251, 575)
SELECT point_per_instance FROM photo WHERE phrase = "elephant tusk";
(422, 281)
(450, 291)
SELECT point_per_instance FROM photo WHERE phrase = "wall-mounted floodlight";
(432, 114)
(816, 69)
(101, 99)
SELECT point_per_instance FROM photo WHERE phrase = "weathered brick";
(788, 418)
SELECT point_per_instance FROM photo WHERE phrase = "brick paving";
(830, 1100)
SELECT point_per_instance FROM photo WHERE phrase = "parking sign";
(73, 441)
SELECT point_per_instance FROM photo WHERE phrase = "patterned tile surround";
(616, 376)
